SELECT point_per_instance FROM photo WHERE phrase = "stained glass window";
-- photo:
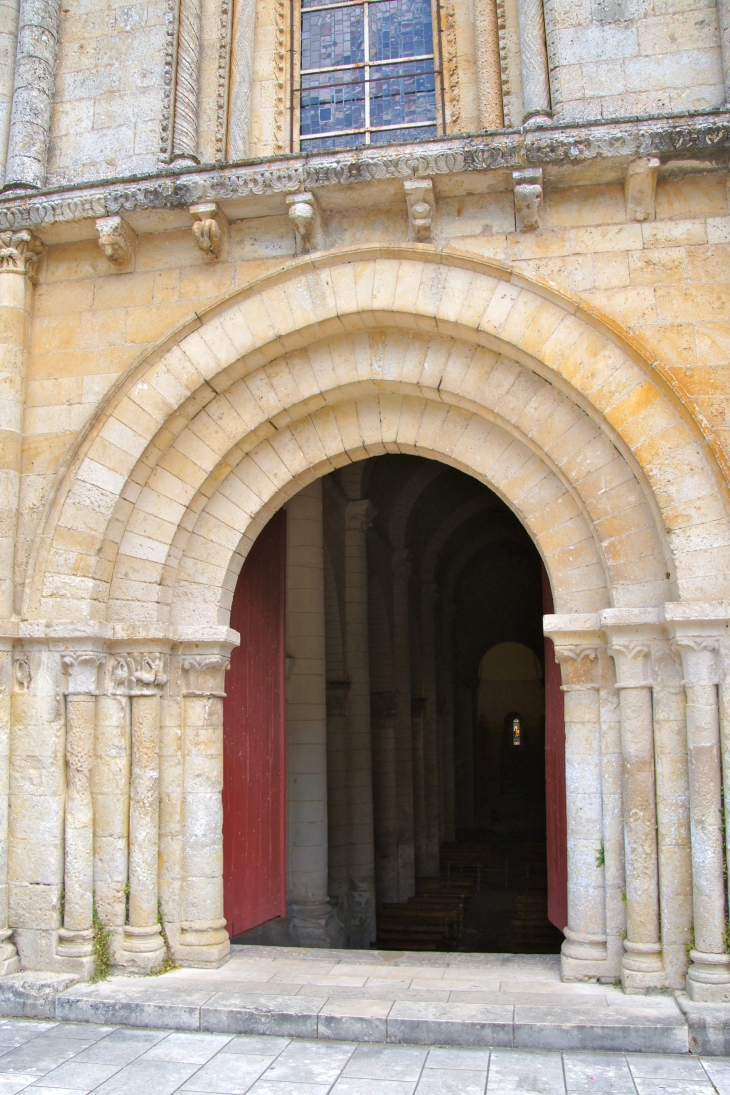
(368, 73)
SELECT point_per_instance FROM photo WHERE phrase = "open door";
(254, 728)
(557, 839)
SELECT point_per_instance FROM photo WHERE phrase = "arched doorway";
(400, 572)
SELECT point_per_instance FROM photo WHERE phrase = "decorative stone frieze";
(528, 198)
(421, 205)
(117, 241)
(640, 188)
(305, 216)
(210, 229)
(701, 136)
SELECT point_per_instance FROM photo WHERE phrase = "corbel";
(421, 208)
(117, 241)
(210, 229)
(640, 189)
(305, 215)
(528, 198)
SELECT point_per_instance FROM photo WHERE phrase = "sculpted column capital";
(359, 515)
(578, 647)
(204, 674)
(82, 671)
(20, 252)
(142, 673)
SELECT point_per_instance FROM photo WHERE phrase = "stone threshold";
(513, 1001)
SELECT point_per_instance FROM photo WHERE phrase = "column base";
(143, 949)
(203, 943)
(537, 118)
(9, 961)
(75, 943)
(583, 956)
(316, 925)
(708, 977)
(642, 968)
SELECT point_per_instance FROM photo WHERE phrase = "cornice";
(690, 136)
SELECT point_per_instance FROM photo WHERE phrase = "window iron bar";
(364, 64)
(373, 80)
(371, 129)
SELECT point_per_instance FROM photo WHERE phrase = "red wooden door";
(254, 721)
(557, 839)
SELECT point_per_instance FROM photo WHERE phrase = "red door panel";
(557, 840)
(254, 721)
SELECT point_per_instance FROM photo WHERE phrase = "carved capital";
(421, 208)
(210, 229)
(305, 215)
(359, 515)
(20, 252)
(633, 662)
(528, 198)
(640, 189)
(22, 673)
(82, 671)
(204, 674)
(139, 674)
(580, 666)
(116, 240)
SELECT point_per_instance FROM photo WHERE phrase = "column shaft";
(9, 962)
(241, 80)
(403, 724)
(306, 722)
(584, 950)
(35, 72)
(489, 75)
(8, 50)
(431, 759)
(535, 79)
(723, 13)
(110, 790)
(613, 817)
(361, 896)
(185, 138)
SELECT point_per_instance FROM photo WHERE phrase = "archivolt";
(352, 354)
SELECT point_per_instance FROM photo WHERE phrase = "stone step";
(643, 1024)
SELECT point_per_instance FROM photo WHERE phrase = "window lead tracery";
(368, 73)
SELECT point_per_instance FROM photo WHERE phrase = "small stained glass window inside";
(368, 73)
(516, 732)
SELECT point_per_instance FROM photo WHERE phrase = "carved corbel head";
(117, 241)
(304, 214)
(210, 229)
(528, 198)
(421, 208)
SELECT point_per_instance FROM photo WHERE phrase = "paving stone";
(353, 1086)
(311, 1062)
(357, 1020)
(243, 1013)
(450, 1024)
(464, 1082)
(80, 1074)
(659, 1085)
(133, 1005)
(121, 1047)
(603, 1074)
(562, 1028)
(228, 1074)
(719, 1072)
(525, 1072)
(32, 995)
(457, 1058)
(193, 1048)
(386, 1063)
(648, 1065)
(9, 1085)
(157, 1077)
(257, 1044)
(274, 1087)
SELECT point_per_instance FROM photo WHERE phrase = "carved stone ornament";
(210, 229)
(204, 674)
(82, 671)
(359, 515)
(421, 208)
(116, 240)
(632, 660)
(696, 137)
(19, 252)
(304, 214)
(21, 669)
(139, 674)
(580, 666)
(640, 189)
(528, 199)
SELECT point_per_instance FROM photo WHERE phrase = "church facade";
(249, 246)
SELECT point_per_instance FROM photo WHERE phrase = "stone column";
(642, 964)
(8, 50)
(241, 80)
(431, 761)
(306, 723)
(110, 790)
(203, 939)
(361, 897)
(383, 710)
(489, 76)
(723, 13)
(583, 955)
(698, 641)
(445, 707)
(35, 74)
(535, 78)
(144, 947)
(9, 961)
(613, 816)
(401, 567)
(180, 112)
(75, 938)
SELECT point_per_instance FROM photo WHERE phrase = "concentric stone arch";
(264, 358)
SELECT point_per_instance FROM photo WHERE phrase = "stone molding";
(689, 136)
